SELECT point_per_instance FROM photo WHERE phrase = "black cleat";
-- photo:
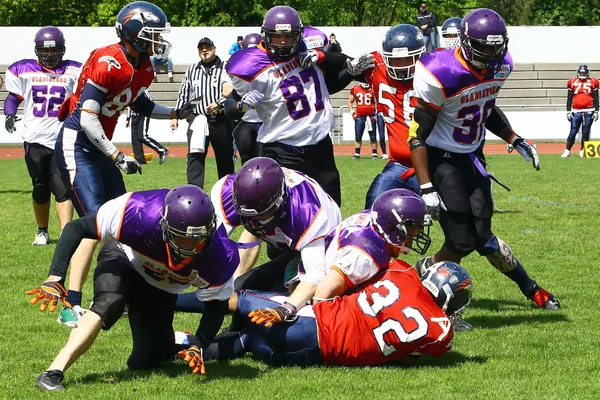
(51, 381)
(163, 156)
(459, 324)
(542, 298)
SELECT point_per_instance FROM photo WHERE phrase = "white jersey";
(296, 108)
(464, 98)
(251, 116)
(43, 91)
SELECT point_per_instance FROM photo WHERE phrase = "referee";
(207, 81)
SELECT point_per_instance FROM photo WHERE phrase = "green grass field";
(515, 351)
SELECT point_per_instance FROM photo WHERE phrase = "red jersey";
(365, 106)
(389, 317)
(583, 90)
(396, 102)
(108, 69)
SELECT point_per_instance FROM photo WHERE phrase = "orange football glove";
(269, 316)
(50, 292)
(193, 356)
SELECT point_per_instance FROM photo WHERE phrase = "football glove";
(193, 356)
(50, 292)
(269, 316)
(527, 149)
(360, 64)
(569, 115)
(309, 58)
(9, 123)
(249, 100)
(127, 164)
(595, 116)
(433, 201)
(187, 109)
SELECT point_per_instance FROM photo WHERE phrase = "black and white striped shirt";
(204, 83)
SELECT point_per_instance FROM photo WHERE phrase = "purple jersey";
(134, 220)
(356, 250)
(307, 214)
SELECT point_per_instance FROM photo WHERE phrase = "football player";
(43, 84)
(450, 33)
(168, 240)
(457, 90)
(281, 207)
(290, 96)
(113, 77)
(395, 317)
(391, 80)
(363, 114)
(583, 98)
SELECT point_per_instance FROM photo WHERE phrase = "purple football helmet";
(282, 20)
(258, 187)
(49, 46)
(187, 213)
(483, 38)
(251, 40)
(400, 217)
(450, 285)
(141, 24)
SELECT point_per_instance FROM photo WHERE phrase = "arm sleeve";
(210, 323)
(11, 104)
(143, 105)
(72, 235)
(313, 260)
(92, 99)
(569, 99)
(231, 103)
(496, 122)
(184, 89)
(595, 95)
(336, 75)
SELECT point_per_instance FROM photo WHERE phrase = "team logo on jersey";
(503, 72)
(111, 61)
(314, 42)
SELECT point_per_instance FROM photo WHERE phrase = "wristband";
(427, 188)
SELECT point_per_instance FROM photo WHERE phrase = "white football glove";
(569, 115)
(528, 150)
(128, 164)
(249, 100)
(360, 64)
(433, 201)
(309, 58)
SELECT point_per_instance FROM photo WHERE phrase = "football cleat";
(355, 156)
(459, 324)
(581, 153)
(163, 156)
(51, 381)
(70, 316)
(542, 298)
(374, 156)
(385, 157)
(41, 239)
(566, 153)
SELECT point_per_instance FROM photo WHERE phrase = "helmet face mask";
(188, 220)
(450, 285)
(400, 217)
(282, 31)
(483, 39)
(450, 33)
(401, 48)
(49, 46)
(141, 24)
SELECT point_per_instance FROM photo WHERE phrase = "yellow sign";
(592, 149)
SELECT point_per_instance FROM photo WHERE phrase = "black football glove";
(9, 123)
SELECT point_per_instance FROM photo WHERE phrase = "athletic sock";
(74, 297)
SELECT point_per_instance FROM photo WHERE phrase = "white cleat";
(566, 153)
(41, 239)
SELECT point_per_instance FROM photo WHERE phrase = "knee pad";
(499, 254)
(41, 193)
(109, 306)
(57, 186)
